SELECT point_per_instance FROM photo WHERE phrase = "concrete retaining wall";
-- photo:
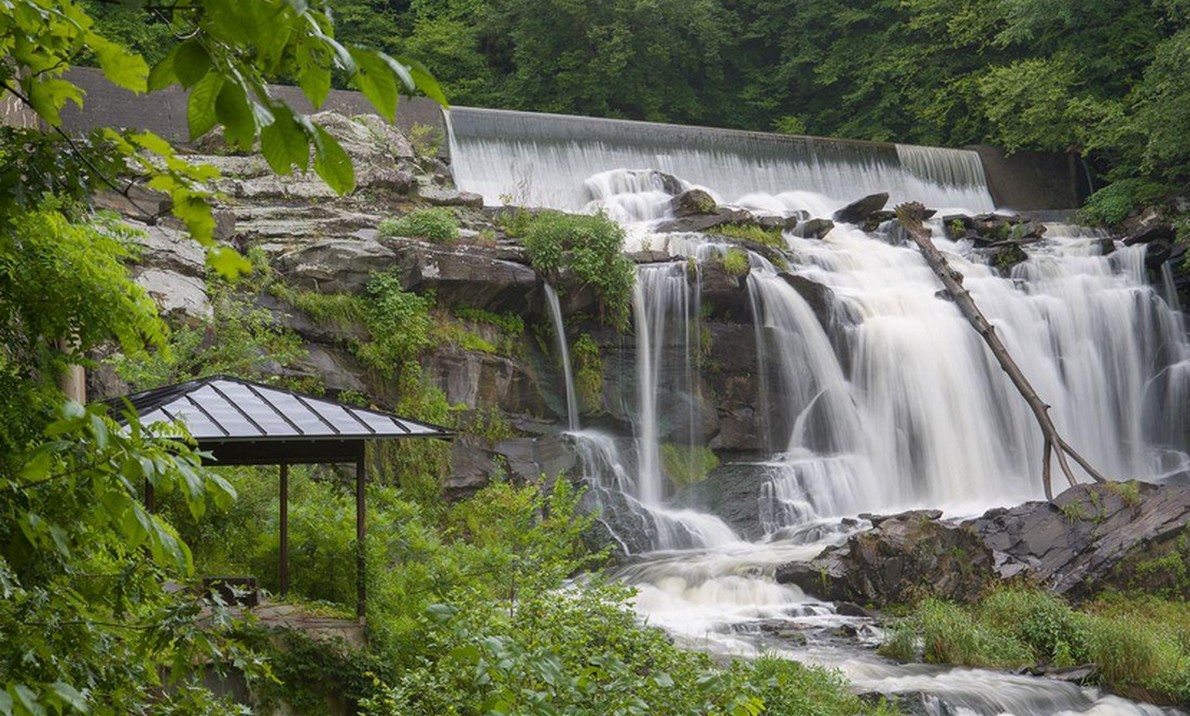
(1034, 181)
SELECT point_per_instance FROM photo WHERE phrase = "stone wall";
(164, 112)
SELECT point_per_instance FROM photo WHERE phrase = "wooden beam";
(284, 529)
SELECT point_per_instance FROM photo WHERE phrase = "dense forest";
(1103, 78)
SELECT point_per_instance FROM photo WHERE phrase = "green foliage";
(592, 247)
(588, 372)
(240, 339)
(398, 322)
(437, 224)
(224, 52)
(1116, 201)
(900, 641)
(426, 140)
(735, 262)
(752, 232)
(488, 423)
(687, 464)
(86, 623)
(1139, 645)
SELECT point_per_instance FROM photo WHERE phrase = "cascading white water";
(555, 308)
(545, 160)
(890, 402)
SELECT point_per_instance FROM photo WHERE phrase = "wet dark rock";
(820, 298)
(1007, 256)
(704, 222)
(814, 228)
(904, 558)
(694, 202)
(1151, 233)
(857, 212)
(720, 285)
(730, 492)
(1089, 538)
(877, 218)
(771, 223)
(850, 609)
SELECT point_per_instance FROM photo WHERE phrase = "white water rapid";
(871, 392)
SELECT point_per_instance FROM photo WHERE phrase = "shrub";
(735, 262)
(592, 246)
(1114, 202)
(437, 224)
(399, 323)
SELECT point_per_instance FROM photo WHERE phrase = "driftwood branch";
(911, 216)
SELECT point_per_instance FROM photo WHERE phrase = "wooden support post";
(284, 529)
(360, 534)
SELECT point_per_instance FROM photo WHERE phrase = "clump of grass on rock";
(436, 224)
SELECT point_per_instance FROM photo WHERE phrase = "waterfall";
(551, 301)
(873, 392)
(546, 159)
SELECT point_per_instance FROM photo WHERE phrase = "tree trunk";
(911, 216)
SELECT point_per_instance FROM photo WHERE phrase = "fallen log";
(911, 216)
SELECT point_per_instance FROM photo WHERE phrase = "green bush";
(399, 323)
(1116, 201)
(735, 262)
(437, 224)
(591, 246)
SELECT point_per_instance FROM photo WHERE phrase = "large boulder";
(704, 222)
(464, 275)
(477, 379)
(1090, 538)
(694, 202)
(857, 212)
(336, 265)
(902, 559)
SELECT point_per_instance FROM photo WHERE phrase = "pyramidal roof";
(225, 409)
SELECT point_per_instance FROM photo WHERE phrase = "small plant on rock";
(437, 224)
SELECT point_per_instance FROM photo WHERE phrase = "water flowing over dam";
(875, 396)
(543, 159)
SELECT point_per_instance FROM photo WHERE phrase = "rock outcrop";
(902, 559)
(1089, 539)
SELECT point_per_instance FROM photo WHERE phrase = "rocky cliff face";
(316, 243)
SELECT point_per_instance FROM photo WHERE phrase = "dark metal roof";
(222, 409)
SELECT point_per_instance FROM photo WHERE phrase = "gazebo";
(244, 423)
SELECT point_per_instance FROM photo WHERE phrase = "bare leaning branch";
(911, 216)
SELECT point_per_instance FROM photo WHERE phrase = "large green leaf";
(374, 77)
(423, 80)
(332, 163)
(164, 73)
(284, 143)
(234, 113)
(49, 94)
(200, 109)
(191, 62)
(123, 68)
